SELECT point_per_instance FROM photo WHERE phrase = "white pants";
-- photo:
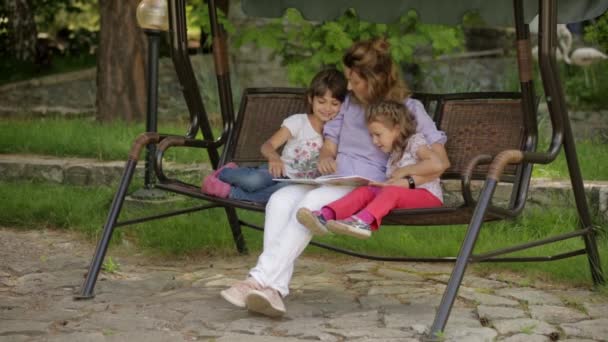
(284, 237)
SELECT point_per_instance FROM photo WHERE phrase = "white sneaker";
(309, 219)
(237, 293)
(266, 301)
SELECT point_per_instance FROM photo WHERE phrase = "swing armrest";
(140, 143)
(171, 141)
(465, 179)
(495, 170)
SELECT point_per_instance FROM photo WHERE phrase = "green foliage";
(586, 87)
(110, 266)
(52, 15)
(198, 18)
(597, 33)
(306, 47)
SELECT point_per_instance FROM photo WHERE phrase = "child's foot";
(351, 226)
(237, 293)
(215, 187)
(313, 220)
(210, 187)
(266, 301)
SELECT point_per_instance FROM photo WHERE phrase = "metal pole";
(152, 103)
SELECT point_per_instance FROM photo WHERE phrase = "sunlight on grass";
(592, 158)
(86, 138)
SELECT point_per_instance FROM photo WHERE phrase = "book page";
(343, 180)
(328, 180)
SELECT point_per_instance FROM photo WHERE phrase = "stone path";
(333, 299)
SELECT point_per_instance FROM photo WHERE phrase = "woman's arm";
(327, 157)
(429, 168)
(269, 151)
(429, 164)
(434, 137)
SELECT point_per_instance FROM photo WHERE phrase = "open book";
(328, 180)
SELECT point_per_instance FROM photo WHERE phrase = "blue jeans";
(253, 184)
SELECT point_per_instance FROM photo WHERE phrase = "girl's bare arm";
(269, 151)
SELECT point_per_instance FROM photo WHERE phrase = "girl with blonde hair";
(357, 214)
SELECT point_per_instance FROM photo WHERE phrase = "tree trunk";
(23, 27)
(121, 87)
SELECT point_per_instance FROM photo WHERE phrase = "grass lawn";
(89, 139)
(86, 138)
(84, 209)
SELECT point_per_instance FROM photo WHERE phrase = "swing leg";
(235, 227)
(86, 291)
(451, 291)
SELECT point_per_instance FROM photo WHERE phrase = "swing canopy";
(446, 12)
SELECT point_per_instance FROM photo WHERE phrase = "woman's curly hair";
(372, 61)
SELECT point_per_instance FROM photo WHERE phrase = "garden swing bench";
(491, 136)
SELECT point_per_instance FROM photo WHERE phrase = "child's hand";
(327, 166)
(276, 168)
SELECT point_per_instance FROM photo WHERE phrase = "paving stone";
(378, 301)
(397, 274)
(596, 310)
(595, 329)
(355, 320)
(15, 338)
(530, 295)
(526, 338)
(484, 298)
(355, 277)
(79, 337)
(251, 338)
(176, 301)
(254, 325)
(556, 314)
(470, 334)
(22, 327)
(493, 313)
(524, 325)
(371, 333)
(307, 328)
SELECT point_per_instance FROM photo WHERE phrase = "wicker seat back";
(261, 115)
(481, 126)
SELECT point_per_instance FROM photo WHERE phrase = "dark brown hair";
(371, 60)
(393, 114)
(328, 79)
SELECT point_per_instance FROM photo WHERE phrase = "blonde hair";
(371, 60)
(393, 114)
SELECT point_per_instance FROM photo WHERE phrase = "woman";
(347, 150)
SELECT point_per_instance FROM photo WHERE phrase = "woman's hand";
(402, 182)
(327, 166)
(276, 168)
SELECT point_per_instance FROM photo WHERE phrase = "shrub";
(305, 47)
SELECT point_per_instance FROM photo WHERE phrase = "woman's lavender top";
(357, 155)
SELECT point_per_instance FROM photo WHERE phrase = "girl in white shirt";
(302, 136)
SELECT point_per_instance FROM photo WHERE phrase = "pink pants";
(378, 201)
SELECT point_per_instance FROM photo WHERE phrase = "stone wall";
(90, 172)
